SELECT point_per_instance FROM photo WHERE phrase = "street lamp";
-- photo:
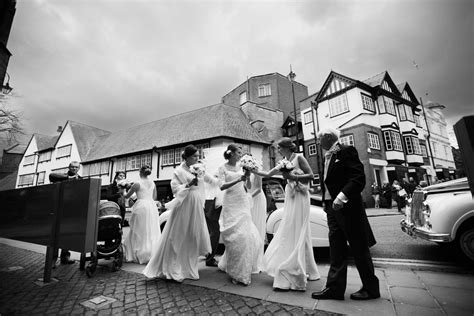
(6, 89)
(291, 77)
(428, 136)
(314, 105)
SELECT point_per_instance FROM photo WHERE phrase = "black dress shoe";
(363, 295)
(327, 294)
(211, 263)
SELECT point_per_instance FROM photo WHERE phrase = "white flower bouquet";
(285, 165)
(124, 184)
(248, 162)
(198, 169)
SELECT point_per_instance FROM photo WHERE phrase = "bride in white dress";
(145, 233)
(289, 257)
(185, 236)
(241, 238)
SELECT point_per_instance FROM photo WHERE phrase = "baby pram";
(109, 238)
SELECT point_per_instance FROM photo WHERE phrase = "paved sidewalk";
(404, 292)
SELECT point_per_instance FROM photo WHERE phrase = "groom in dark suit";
(344, 180)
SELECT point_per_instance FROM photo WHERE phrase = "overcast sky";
(117, 64)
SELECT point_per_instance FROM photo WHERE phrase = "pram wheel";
(120, 256)
(91, 267)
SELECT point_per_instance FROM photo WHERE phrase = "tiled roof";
(85, 136)
(375, 80)
(16, 149)
(8, 182)
(213, 121)
(45, 142)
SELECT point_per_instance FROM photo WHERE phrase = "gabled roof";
(336, 84)
(44, 142)
(404, 86)
(213, 121)
(377, 80)
(85, 136)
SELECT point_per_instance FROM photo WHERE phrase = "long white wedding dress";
(185, 236)
(241, 238)
(145, 233)
(289, 257)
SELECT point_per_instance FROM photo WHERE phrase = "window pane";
(388, 140)
(312, 149)
(368, 103)
(29, 160)
(308, 117)
(64, 151)
(408, 144)
(264, 90)
(401, 110)
(243, 97)
(338, 105)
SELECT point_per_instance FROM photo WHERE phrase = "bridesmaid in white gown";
(289, 257)
(241, 238)
(185, 236)
(145, 232)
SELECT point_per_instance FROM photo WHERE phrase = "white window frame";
(40, 176)
(29, 160)
(178, 152)
(347, 140)
(416, 146)
(264, 90)
(244, 147)
(167, 157)
(338, 105)
(401, 112)
(312, 150)
(121, 164)
(424, 151)
(64, 151)
(397, 141)
(367, 102)
(389, 106)
(44, 156)
(25, 180)
(308, 117)
(374, 141)
(409, 113)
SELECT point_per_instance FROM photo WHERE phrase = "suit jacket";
(346, 174)
(58, 177)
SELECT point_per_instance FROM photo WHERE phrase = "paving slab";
(413, 296)
(405, 278)
(412, 310)
(456, 298)
(452, 280)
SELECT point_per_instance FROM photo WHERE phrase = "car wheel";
(465, 242)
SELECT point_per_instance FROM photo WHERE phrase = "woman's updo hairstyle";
(287, 143)
(232, 148)
(145, 170)
(188, 151)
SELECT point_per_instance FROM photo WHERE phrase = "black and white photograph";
(212, 157)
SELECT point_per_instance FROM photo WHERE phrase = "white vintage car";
(443, 213)
(317, 222)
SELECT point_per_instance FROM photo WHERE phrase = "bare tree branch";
(10, 122)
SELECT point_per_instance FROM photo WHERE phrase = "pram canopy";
(107, 209)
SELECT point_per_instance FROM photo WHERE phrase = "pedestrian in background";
(376, 194)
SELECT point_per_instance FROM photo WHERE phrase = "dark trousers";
(343, 228)
(212, 215)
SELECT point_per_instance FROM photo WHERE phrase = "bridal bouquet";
(249, 163)
(124, 184)
(198, 169)
(285, 165)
